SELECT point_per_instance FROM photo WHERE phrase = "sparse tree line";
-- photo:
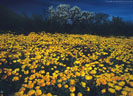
(64, 19)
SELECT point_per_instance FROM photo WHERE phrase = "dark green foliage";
(97, 24)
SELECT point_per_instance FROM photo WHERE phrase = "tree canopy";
(65, 19)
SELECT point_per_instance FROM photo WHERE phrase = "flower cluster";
(66, 64)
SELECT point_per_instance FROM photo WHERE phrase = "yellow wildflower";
(118, 88)
(38, 57)
(31, 92)
(38, 92)
(15, 78)
(88, 77)
(49, 94)
(130, 93)
(72, 88)
(19, 94)
(77, 73)
(83, 84)
(79, 94)
(111, 90)
(37, 87)
(122, 83)
(59, 85)
(88, 89)
(131, 83)
(93, 72)
(103, 90)
(72, 81)
(110, 84)
(65, 86)
(82, 73)
(124, 93)
(72, 94)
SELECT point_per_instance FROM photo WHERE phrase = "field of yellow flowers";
(47, 64)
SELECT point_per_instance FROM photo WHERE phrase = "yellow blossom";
(124, 93)
(72, 94)
(59, 85)
(83, 84)
(110, 84)
(31, 92)
(130, 93)
(103, 90)
(118, 88)
(79, 94)
(122, 83)
(49, 94)
(82, 73)
(77, 73)
(88, 89)
(15, 78)
(66, 86)
(93, 72)
(38, 92)
(131, 83)
(111, 90)
(72, 89)
(88, 77)
(72, 81)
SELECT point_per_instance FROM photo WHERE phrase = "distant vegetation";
(64, 19)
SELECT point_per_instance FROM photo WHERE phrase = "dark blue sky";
(122, 8)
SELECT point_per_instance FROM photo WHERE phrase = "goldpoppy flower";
(130, 94)
(65, 86)
(72, 89)
(88, 89)
(59, 85)
(122, 83)
(111, 90)
(103, 90)
(93, 72)
(31, 92)
(15, 78)
(83, 84)
(49, 94)
(72, 94)
(79, 94)
(88, 77)
(131, 83)
(72, 81)
(124, 93)
(77, 73)
(30, 85)
(118, 88)
(38, 92)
